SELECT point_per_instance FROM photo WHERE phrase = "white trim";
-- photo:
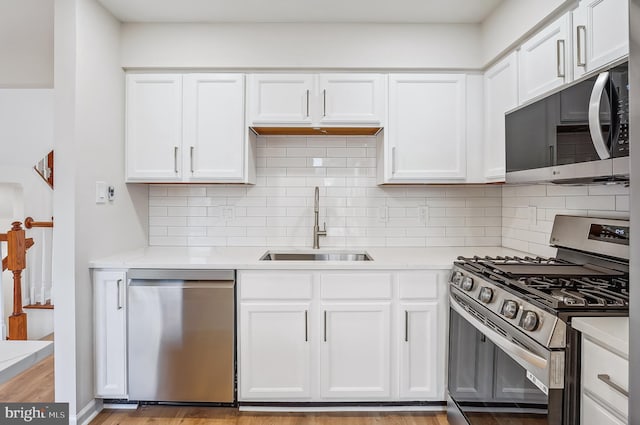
(87, 414)
(342, 408)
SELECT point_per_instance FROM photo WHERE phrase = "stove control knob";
(486, 295)
(510, 309)
(530, 321)
(455, 278)
(467, 283)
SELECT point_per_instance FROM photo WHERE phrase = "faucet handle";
(324, 226)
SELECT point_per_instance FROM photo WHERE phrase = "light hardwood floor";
(33, 385)
(170, 415)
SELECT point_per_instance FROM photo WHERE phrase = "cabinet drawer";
(595, 414)
(372, 286)
(418, 285)
(596, 360)
(276, 285)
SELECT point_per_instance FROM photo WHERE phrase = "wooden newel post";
(16, 262)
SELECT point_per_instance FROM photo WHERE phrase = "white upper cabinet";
(154, 127)
(317, 99)
(213, 134)
(184, 128)
(545, 59)
(601, 33)
(352, 98)
(500, 95)
(426, 136)
(281, 98)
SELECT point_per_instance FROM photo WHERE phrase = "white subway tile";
(622, 203)
(306, 172)
(445, 242)
(605, 203)
(286, 141)
(186, 191)
(327, 141)
(266, 172)
(286, 162)
(361, 162)
(186, 231)
(207, 241)
(157, 231)
(157, 211)
(155, 190)
(464, 231)
(168, 201)
(609, 189)
(167, 221)
(326, 162)
(266, 211)
(564, 190)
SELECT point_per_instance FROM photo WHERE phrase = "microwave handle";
(594, 116)
(509, 347)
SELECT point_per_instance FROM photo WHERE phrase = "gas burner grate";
(587, 291)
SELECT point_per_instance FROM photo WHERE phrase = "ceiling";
(342, 11)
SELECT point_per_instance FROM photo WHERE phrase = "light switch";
(101, 192)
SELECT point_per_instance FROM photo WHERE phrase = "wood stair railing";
(16, 262)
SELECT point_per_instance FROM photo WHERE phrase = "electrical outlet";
(423, 212)
(383, 214)
(533, 216)
(227, 213)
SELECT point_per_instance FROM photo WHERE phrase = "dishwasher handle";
(185, 275)
(182, 284)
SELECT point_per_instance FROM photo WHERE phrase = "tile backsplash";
(278, 210)
(528, 211)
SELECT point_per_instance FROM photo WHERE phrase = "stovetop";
(553, 283)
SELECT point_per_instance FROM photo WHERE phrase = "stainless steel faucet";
(316, 229)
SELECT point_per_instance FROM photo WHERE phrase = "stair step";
(46, 306)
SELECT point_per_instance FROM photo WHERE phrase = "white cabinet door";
(545, 60)
(281, 98)
(601, 33)
(419, 345)
(427, 129)
(214, 133)
(593, 413)
(275, 354)
(154, 127)
(109, 294)
(355, 353)
(352, 98)
(500, 95)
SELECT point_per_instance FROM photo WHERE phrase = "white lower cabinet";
(355, 354)
(110, 323)
(276, 354)
(341, 335)
(594, 413)
(419, 351)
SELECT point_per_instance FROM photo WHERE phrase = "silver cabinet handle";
(581, 60)
(406, 326)
(324, 102)
(393, 160)
(306, 325)
(551, 155)
(119, 294)
(595, 126)
(325, 326)
(191, 158)
(607, 380)
(560, 58)
(175, 159)
(307, 103)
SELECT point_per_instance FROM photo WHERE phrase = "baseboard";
(88, 413)
(302, 407)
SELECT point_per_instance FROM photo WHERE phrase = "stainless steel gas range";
(513, 356)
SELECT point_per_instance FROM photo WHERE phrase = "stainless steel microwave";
(577, 135)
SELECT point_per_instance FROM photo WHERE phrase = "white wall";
(26, 43)
(90, 147)
(300, 46)
(513, 20)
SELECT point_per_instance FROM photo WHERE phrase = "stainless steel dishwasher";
(181, 335)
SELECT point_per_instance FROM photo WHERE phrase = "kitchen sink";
(316, 256)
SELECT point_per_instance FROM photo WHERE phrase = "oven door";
(491, 379)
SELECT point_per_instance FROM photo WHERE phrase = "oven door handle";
(509, 347)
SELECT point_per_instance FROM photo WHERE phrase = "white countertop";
(610, 331)
(248, 258)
